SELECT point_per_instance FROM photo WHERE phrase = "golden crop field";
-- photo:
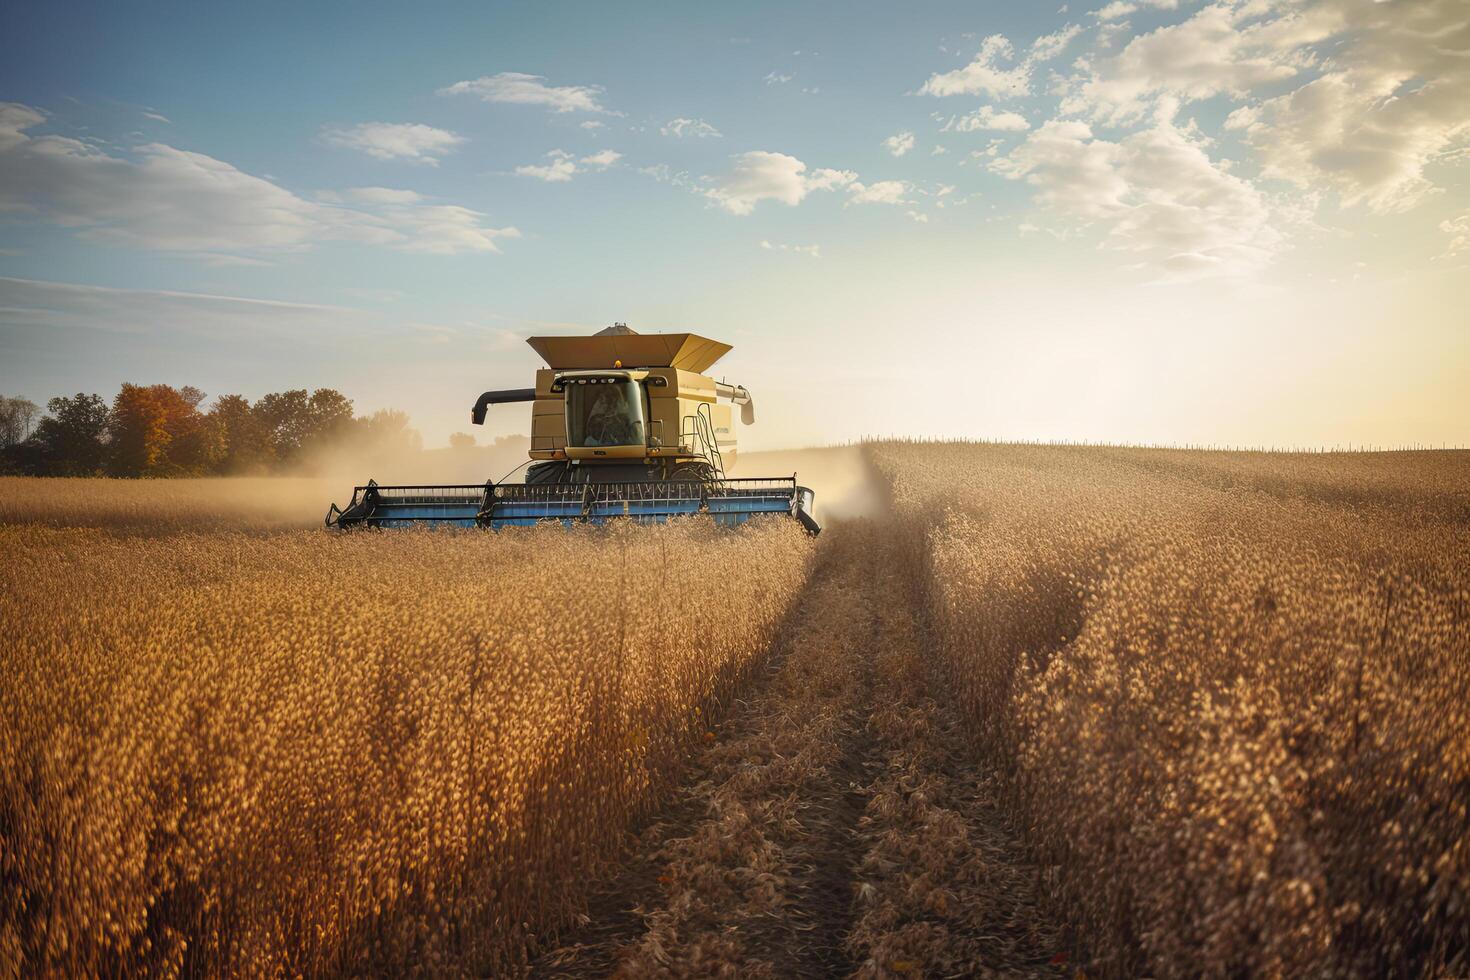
(302, 753)
(1230, 692)
(1022, 710)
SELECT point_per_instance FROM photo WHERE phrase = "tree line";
(160, 431)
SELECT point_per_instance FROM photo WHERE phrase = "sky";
(1243, 222)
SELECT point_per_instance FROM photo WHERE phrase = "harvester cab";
(622, 425)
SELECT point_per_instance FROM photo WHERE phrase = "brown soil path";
(832, 826)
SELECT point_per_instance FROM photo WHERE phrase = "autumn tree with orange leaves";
(158, 430)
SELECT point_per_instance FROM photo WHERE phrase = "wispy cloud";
(163, 198)
(899, 144)
(815, 251)
(987, 74)
(562, 166)
(995, 70)
(878, 192)
(680, 128)
(1049, 46)
(518, 88)
(986, 117)
(602, 159)
(1458, 230)
(1155, 193)
(414, 142)
(761, 175)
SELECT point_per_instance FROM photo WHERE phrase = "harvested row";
(304, 754)
(1235, 722)
(943, 885)
(741, 881)
(833, 828)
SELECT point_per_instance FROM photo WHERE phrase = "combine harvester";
(623, 425)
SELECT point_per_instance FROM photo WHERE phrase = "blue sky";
(1151, 220)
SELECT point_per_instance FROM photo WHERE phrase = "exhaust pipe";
(505, 395)
(738, 395)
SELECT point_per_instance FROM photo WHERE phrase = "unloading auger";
(623, 425)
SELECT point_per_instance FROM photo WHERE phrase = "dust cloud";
(470, 464)
(839, 476)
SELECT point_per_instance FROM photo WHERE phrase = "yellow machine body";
(624, 426)
(682, 419)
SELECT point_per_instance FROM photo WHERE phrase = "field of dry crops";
(245, 753)
(1119, 710)
(1230, 693)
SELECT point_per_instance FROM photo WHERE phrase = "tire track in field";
(943, 887)
(832, 828)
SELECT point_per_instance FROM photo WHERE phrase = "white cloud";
(984, 75)
(1122, 8)
(1458, 228)
(443, 229)
(986, 118)
(814, 251)
(900, 144)
(761, 175)
(879, 192)
(1393, 99)
(220, 260)
(1155, 193)
(918, 216)
(1361, 99)
(518, 88)
(602, 159)
(163, 198)
(145, 314)
(680, 128)
(829, 180)
(396, 141)
(1048, 46)
(157, 117)
(777, 78)
(563, 166)
(938, 150)
(384, 195)
(592, 124)
(1221, 49)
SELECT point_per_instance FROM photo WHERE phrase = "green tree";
(286, 417)
(245, 436)
(73, 437)
(299, 423)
